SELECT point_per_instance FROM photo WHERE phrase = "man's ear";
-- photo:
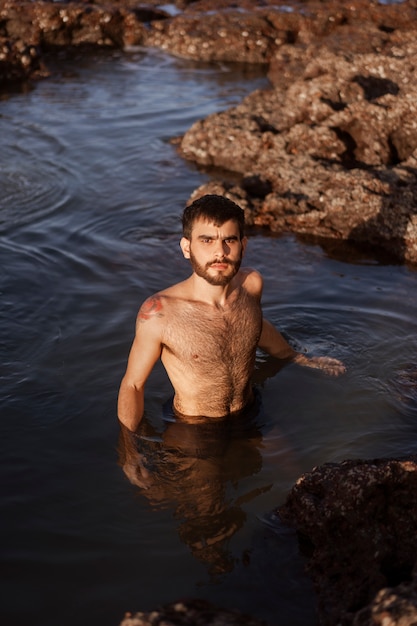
(244, 243)
(185, 247)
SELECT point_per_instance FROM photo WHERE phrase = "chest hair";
(205, 337)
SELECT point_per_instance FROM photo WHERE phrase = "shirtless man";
(206, 328)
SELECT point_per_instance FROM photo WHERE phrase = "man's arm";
(144, 353)
(272, 342)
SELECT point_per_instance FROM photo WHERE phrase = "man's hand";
(330, 366)
(137, 473)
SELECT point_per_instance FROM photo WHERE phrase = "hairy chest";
(200, 334)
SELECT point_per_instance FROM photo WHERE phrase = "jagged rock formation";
(329, 151)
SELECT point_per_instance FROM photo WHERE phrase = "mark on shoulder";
(152, 307)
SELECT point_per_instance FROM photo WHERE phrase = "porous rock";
(336, 149)
(391, 607)
(190, 613)
(328, 151)
(30, 29)
(357, 523)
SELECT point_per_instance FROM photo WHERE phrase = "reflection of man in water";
(203, 471)
(206, 329)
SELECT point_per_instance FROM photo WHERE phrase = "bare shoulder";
(156, 309)
(175, 292)
(152, 310)
(252, 281)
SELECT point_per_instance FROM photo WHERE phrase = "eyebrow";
(234, 237)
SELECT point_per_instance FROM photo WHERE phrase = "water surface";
(91, 194)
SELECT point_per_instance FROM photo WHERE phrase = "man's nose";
(221, 248)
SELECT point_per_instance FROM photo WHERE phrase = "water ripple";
(34, 178)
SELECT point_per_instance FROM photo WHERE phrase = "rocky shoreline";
(328, 151)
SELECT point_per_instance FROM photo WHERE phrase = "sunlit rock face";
(329, 151)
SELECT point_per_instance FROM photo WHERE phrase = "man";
(206, 328)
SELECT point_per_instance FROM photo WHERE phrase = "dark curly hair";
(213, 208)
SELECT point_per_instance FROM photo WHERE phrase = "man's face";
(215, 252)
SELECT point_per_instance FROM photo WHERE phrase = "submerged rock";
(357, 523)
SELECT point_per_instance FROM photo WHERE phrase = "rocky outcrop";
(391, 607)
(190, 613)
(357, 523)
(251, 31)
(30, 29)
(329, 151)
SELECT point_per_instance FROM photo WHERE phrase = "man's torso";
(209, 353)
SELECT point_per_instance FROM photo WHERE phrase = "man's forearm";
(130, 405)
(272, 342)
(331, 366)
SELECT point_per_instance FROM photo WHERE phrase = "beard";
(221, 279)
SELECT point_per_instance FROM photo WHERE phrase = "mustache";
(224, 261)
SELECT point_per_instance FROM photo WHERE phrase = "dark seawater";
(91, 194)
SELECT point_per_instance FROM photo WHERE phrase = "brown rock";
(391, 607)
(329, 151)
(19, 62)
(191, 613)
(337, 148)
(357, 521)
(231, 36)
(30, 28)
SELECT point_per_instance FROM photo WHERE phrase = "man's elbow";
(130, 403)
(130, 386)
(283, 352)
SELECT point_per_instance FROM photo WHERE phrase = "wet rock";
(337, 145)
(19, 62)
(190, 613)
(391, 607)
(357, 522)
(230, 36)
(51, 24)
(329, 151)
(29, 29)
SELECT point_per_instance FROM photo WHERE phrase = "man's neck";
(214, 295)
